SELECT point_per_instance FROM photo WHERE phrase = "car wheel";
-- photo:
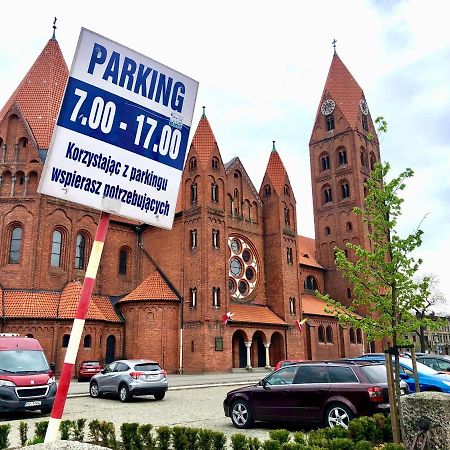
(338, 414)
(93, 389)
(241, 415)
(159, 395)
(124, 393)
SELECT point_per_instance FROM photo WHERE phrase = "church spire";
(54, 29)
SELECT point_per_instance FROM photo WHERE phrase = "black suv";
(332, 392)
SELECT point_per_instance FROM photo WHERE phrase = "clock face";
(327, 107)
(364, 107)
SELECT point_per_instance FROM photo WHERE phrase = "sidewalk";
(178, 382)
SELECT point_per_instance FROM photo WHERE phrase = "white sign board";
(121, 136)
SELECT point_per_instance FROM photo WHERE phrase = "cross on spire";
(54, 29)
(334, 45)
(204, 114)
(273, 146)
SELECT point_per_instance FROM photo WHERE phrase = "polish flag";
(300, 324)
(228, 316)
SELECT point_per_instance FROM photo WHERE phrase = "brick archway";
(239, 349)
(277, 350)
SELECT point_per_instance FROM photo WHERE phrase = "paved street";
(190, 402)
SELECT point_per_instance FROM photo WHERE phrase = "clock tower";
(342, 155)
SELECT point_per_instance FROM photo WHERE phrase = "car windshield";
(375, 373)
(421, 368)
(91, 364)
(23, 361)
(147, 367)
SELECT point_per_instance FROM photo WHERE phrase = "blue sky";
(262, 66)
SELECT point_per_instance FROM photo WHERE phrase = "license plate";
(152, 377)
(35, 403)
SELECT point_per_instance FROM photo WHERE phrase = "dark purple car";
(313, 391)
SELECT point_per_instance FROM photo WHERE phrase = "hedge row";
(363, 433)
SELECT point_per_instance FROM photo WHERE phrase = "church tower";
(343, 151)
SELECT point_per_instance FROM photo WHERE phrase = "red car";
(88, 369)
(286, 362)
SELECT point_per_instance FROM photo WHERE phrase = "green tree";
(384, 275)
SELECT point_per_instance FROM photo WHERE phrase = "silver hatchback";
(128, 377)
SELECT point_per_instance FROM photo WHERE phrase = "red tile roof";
(314, 306)
(153, 287)
(307, 251)
(40, 93)
(56, 305)
(204, 141)
(276, 172)
(344, 90)
(254, 314)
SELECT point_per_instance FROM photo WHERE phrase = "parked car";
(286, 362)
(440, 363)
(88, 369)
(26, 380)
(129, 377)
(429, 379)
(312, 391)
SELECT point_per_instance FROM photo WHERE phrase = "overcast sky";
(262, 66)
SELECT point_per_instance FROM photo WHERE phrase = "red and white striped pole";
(77, 329)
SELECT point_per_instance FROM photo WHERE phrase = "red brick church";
(161, 294)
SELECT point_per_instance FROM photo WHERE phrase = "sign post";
(118, 146)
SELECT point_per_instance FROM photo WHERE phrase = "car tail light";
(136, 375)
(375, 394)
(163, 373)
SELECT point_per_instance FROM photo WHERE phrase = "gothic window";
(56, 248)
(193, 297)
(214, 192)
(15, 245)
(23, 142)
(289, 257)
(310, 283)
(327, 231)
(123, 261)
(267, 190)
(193, 242)
(359, 336)
(194, 193)
(236, 193)
(363, 157)
(352, 336)
(329, 122)
(215, 238)
(365, 124)
(348, 226)
(342, 157)
(286, 190)
(216, 297)
(215, 163)
(327, 195)
(80, 252)
(193, 163)
(87, 341)
(287, 218)
(329, 334)
(292, 306)
(325, 162)
(345, 187)
(321, 334)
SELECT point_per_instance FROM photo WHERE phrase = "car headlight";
(51, 380)
(446, 383)
(6, 383)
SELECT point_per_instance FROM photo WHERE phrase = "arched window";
(373, 161)
(329, 334)
(363, 157)
(345, 190)
(80, 252)
(235, 193)
(327, 196)
(287, 216)
(216, 297)
(327, 231)
(29, 335)
(292, 306)
(193, 297)
(192, 163)
(65, 340)
(214, 192)
(321, 334)
(310, 283)
(352, 336)
(193, 238)
(286, 190)
(87, 341)
(194, 193)
(348, 226)
(359, 336)
(123, 261)
(267, 190)
(215, 163)
(329, 120)
(56, 249)
(342, 157)
(324, 162)
(15, 245)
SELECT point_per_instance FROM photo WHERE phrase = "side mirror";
(404, 376)
(53, 367)
(262, 383)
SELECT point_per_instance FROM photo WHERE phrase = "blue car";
(429, 379)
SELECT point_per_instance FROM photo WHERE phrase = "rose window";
(242, 268)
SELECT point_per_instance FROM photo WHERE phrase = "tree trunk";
(422, 339)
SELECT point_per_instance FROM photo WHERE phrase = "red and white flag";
(300, 324)
(226, 317)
